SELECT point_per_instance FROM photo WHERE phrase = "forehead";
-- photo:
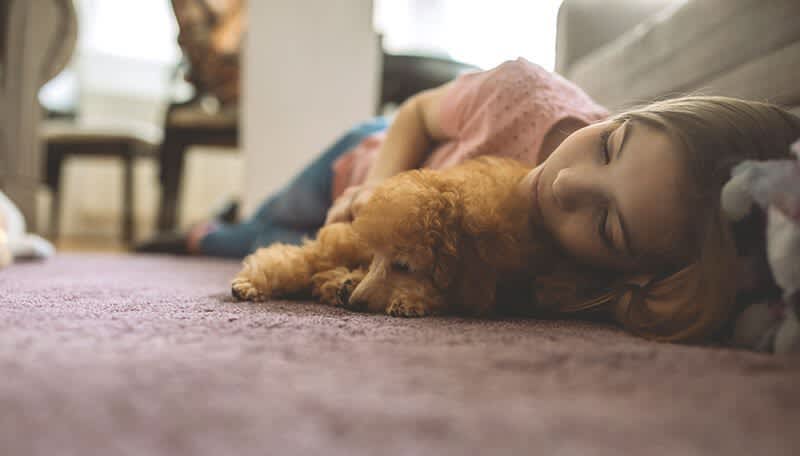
(651, 179)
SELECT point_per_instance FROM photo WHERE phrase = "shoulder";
(520, 71)
(505, 87)
(543, 93)
(522, 66)
(524, 86)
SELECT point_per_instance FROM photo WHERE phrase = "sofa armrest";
(585, 25)
(38, 38)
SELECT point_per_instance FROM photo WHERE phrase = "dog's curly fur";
(427, 242)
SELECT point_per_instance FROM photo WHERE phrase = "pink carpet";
(148, 356)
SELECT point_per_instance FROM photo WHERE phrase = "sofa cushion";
(687, 48)
(770, 77)
(585, 25)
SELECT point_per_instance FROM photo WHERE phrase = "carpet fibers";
(137, 355)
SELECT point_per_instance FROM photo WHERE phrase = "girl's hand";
(347, 206)
(415, 128)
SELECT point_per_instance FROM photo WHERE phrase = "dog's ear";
(476, 286)
(445, 268)
(458, 265)
(442, 236)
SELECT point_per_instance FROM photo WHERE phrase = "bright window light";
(141, 30)
(484, 33)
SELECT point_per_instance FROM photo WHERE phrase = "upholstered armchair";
(36, 40)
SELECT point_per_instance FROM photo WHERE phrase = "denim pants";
(295, 212)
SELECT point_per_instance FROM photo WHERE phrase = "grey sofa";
(628, 52)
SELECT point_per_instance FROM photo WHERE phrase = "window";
(484, 33)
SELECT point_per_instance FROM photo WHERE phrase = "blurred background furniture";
(741, 48)
(62, 135)
(65, 139)
(36, 40)
(404, 75)
(187, 124)
(210, 36)
(201, 121)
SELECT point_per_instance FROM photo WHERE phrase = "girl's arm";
(416, 127)
(411, 136)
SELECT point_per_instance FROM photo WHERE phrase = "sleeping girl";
(631, 201)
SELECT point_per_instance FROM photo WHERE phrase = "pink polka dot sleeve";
(507, 112)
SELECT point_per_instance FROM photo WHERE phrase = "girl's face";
(609, 196)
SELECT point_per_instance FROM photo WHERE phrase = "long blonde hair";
(690, 302)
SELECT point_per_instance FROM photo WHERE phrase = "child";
(631, 201)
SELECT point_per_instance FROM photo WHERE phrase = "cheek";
(574, 234)
(578, 240)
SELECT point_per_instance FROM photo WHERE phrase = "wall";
(311, 71)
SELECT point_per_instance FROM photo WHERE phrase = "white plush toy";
(5, 251)
(775, 186)
(15, 242)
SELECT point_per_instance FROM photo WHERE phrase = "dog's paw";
(243, 290)
(344, 292)
(405, 308)
(335, 286)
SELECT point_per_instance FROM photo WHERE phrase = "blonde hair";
(691, 301)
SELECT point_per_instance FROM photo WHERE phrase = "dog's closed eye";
(399, 266)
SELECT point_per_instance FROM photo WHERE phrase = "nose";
(575, 187)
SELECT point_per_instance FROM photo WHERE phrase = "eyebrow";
(626, 238)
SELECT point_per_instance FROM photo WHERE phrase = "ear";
(445, 268)
(441, 225)
(475, 291)
(458, 266)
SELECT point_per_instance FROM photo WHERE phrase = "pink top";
(506, 112)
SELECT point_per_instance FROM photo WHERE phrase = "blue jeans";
(295, 212)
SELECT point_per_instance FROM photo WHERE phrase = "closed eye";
(604, 150)
(602, 230)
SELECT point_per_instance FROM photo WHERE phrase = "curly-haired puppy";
(427, 242)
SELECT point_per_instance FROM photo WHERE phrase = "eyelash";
(604, 146)
(601, 225)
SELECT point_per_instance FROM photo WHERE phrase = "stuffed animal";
(5, 251)
(15, 243)
(774, 186)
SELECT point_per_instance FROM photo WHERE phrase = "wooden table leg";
(127, 196)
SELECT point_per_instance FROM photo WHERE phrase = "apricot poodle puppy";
(427, 242)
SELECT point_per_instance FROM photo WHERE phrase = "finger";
(331, 218)
(336, 215)
(359, 202)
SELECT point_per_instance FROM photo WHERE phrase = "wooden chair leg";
(55, 214)
(127, 197)
(55, 162)
(171, 174)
